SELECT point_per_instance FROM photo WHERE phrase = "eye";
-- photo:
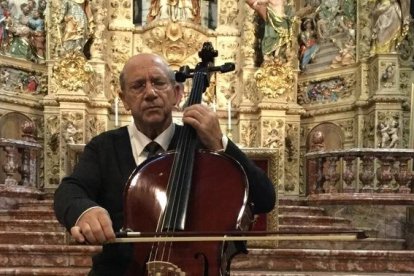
(159, 83)
(137, 87)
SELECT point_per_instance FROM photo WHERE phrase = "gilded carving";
(405, 142)
(272, 156)
(174, 41)
(250, 89)
(226, 89)
(228, 13)
(291, 157)
(365, 29)
(72, 72)
(121, 10)
(406, 47)
(274, 79)
(248, 38)
(51, 151)
(273, 133)
(95, 126)
(347, 128)
(373, 78)
(249, 134)
(228, 50)
(405, 83)
(388, 74)
(100, 13)
(97, 84)
(121, 51)
(369, 131)
(72, 127)
(326, 90)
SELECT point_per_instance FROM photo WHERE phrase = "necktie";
(152, 148)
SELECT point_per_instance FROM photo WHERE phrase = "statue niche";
(199, 12)
(323, 137)
(11, 128)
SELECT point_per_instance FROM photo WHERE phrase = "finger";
(192, 122)
(75, 231)
(107, 229)
(97, 231)
(193, 113)
(87, 232)
(197, 109)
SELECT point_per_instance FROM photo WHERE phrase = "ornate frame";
(271, 157)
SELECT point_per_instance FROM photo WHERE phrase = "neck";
(152, 131)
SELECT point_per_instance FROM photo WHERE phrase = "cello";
(188, 190)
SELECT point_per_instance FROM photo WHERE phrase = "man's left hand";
(206, 123)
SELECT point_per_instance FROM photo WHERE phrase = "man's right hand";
(93, 227)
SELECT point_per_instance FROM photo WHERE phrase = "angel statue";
(77, 24)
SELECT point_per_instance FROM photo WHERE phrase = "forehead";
(145, 66)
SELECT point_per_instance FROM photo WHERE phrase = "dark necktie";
(152, 148)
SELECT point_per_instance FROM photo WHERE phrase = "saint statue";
(387, 28)
(278, 16)
(175, 10)
(77, 24)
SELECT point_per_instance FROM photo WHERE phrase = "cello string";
(175, 177)
(179, 173)
(185, 163)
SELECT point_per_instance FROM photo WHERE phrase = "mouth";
(150, 108)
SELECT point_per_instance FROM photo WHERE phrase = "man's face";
(149, 93)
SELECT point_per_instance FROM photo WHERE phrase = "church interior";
(321, 98)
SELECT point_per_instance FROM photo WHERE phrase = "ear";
(124, 102)
(178, 92)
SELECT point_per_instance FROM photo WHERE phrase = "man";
(89, 202)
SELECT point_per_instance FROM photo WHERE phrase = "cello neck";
(181, 175)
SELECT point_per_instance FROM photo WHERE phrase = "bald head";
(145, 60)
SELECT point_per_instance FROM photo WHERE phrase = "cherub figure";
(385, 137)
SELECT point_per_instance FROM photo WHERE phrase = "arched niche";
(11, 125)
(323, 137)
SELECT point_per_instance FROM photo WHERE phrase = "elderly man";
(89, 202)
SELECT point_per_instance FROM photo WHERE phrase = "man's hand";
(94, 227)
(206, 124)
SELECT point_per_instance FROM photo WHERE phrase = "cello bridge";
(158, 268)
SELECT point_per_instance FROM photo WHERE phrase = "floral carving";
(72, 72)
(274, 79)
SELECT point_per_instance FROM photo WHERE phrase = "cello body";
(218, 203)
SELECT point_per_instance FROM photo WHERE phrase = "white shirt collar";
(139, 141)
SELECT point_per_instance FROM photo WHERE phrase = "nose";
(149, 89)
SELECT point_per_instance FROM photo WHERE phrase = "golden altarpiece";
(303, 69)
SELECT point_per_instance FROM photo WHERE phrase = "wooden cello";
(188, 190)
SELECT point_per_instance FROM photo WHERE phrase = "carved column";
(387, 98)
(249, 127)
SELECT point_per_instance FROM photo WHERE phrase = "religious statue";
(387, 26)
(385, 137)
(307, 42)
(77, 24)
(4, 25)
(278, 15)
(346, 55)
(389, 134)
(38, 37)
(175, 10)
